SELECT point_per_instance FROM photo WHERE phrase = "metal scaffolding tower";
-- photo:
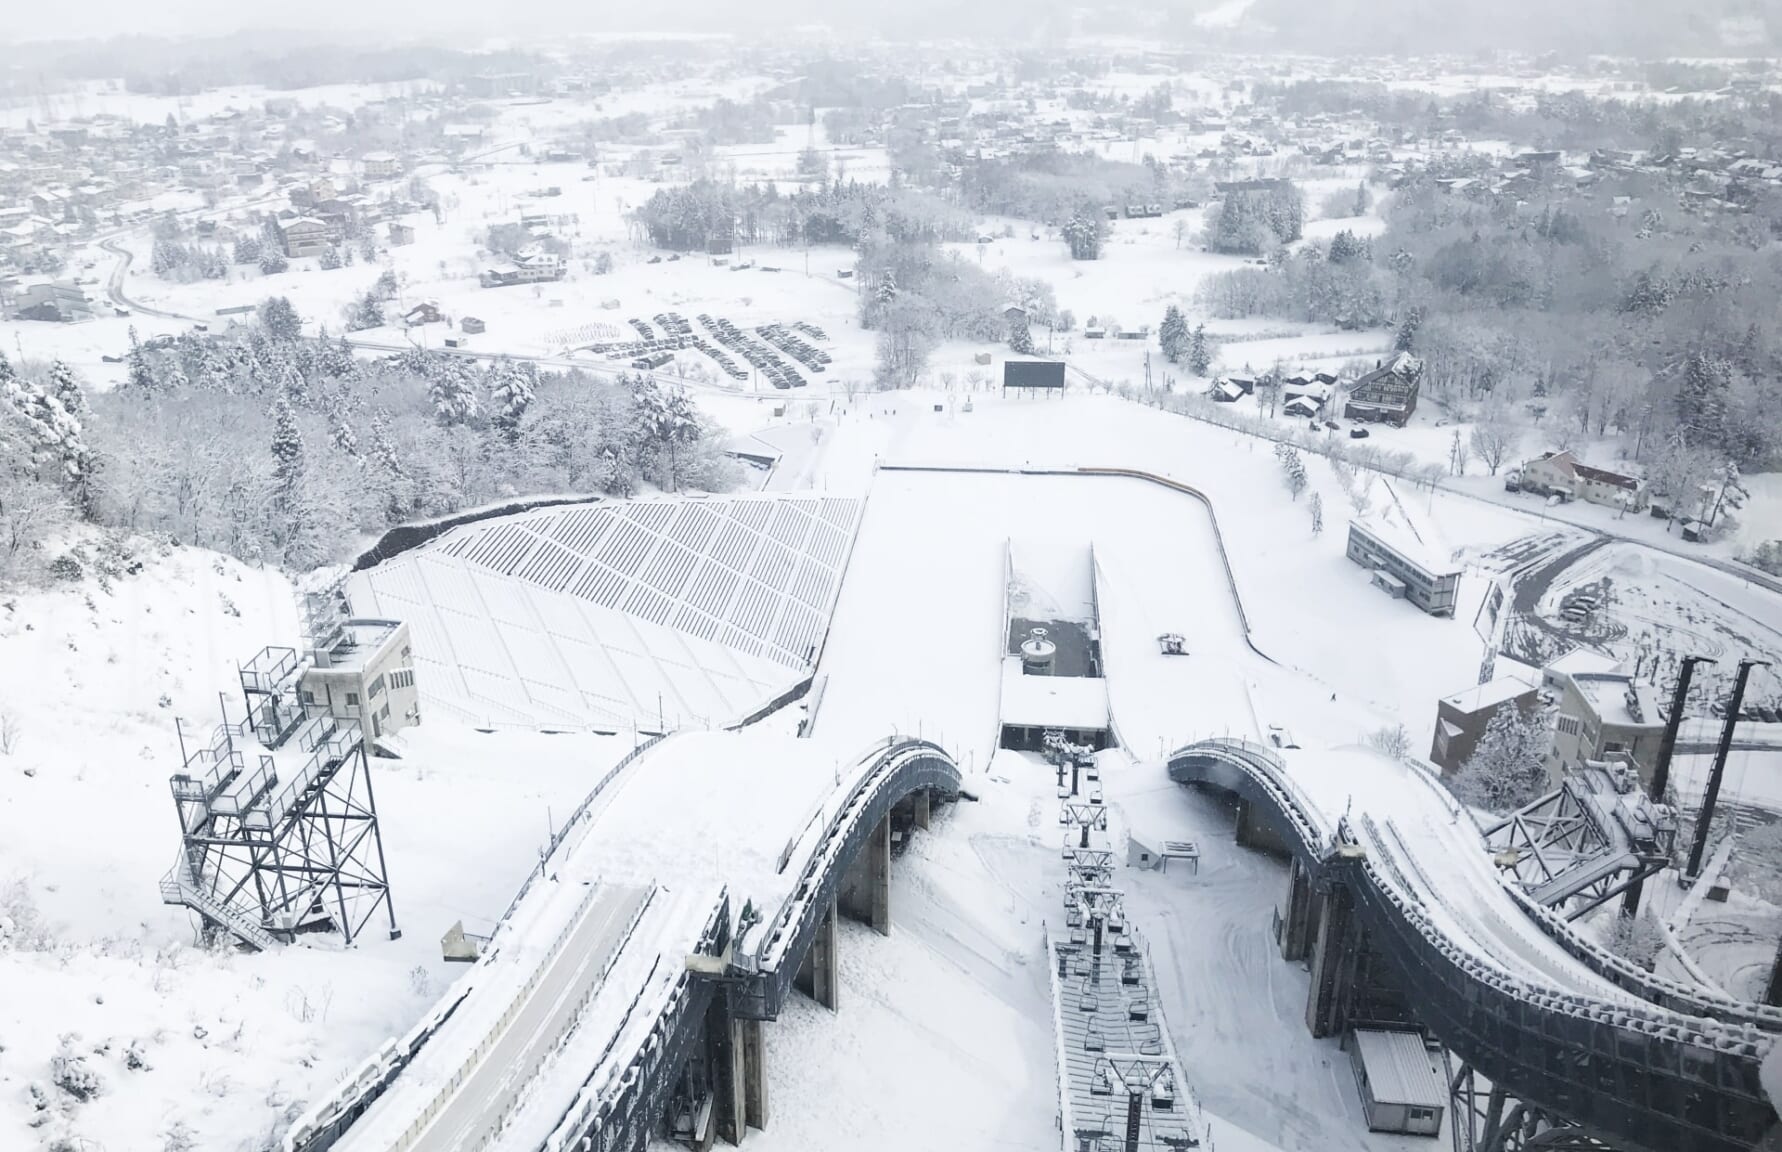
(278, 821)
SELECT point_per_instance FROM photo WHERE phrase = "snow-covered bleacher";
(658, 612)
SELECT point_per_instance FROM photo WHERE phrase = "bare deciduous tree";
(1495, 439)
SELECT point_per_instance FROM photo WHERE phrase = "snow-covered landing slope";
(227, 1046)
(657, 614)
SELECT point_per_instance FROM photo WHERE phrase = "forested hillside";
(273, 447)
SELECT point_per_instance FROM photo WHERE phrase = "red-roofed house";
(1560, 472)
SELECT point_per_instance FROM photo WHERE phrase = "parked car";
(1358, 433)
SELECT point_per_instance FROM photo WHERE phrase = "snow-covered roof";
(1487, 696)
(1417, 545)
(1398, 1069)
(1581, 661)
(1052, 701)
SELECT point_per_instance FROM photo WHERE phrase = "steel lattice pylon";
(278, 821)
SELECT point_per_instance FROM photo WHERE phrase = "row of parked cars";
(762, 358)
(795, 346)
(656, 345)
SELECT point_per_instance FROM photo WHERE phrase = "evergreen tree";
(337, 409)
(1020, 335)
(1172, 335)
(280, 319)
(1347, 248)
(1317, 509)
(64, 386)
(1702, 399)
(1507, 770)
(1406, 338)
(296, 520)
(511, 395)
(454, 399)
(387, 468)
(287, 449)
(141, 370)
(272, 262)
(365, 312)
(1200, 352)
(1085, 232)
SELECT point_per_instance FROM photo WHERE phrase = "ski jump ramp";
(575, 1021)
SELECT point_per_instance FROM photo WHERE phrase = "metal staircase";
(179, 888)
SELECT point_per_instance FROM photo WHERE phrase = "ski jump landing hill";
(1387, 864)
(669, 922)
(630, 953)
(1388, 867)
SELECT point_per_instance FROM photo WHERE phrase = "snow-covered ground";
(230, 1045)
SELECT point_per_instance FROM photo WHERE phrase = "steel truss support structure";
(1584, 843)
(280, 849)
(1482, 1117)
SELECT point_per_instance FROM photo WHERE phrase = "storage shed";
(1400, 1088)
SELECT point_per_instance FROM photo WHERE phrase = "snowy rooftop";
(1417, 543)
(1052, 701)
(1617, 699)
(1486, 696)
(1583, 660)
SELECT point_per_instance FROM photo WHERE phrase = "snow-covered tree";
(510, 395)
(1292, 467)
(1507, 769)
(1317, 509)
(1730, 492)
(1085, 232)
(287, 448)
(280, 319)
(1348, 248)
(1200, 351)
(1020, 335)
(454, 398)
(670, 423)
(1172, 335)
(337, 409)
(1405, 339)
(365, 312)
(140, 369)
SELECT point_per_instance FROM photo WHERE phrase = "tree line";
(281, 449)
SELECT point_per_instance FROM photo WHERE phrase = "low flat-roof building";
(365, 672)
(1604, 716)
(1404, 566)
(1401, 1091)
(1461, 719)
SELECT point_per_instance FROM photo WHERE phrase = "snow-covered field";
(225, 1045)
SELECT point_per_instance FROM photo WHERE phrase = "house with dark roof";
(1560, 473)
(1388, 394)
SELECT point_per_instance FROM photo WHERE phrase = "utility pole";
(1706, 816)
(1661, 771)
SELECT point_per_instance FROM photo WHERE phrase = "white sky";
(511, 19)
